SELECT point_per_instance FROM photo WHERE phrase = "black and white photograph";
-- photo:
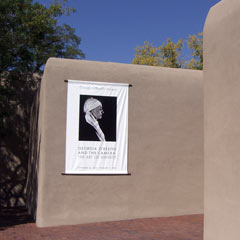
(97, 118)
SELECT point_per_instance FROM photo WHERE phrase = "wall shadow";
(14, 216)
(33, 158)
(17, 95)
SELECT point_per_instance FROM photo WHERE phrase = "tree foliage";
(30, 33)
(165, 55)
(195, 43)
(147, 55)
(170, 54)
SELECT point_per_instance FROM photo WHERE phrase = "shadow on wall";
(14, 216)
(15, 110)
(33, 158)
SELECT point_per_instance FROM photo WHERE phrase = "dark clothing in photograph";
(87, 132)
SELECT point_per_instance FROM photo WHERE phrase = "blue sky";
(111, 29)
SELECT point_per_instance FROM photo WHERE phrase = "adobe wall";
(165, 147)
(222, 121)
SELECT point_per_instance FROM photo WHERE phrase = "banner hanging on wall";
(97, 128)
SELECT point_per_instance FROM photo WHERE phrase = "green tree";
(165, 55)
(195, 43)
(30, 33)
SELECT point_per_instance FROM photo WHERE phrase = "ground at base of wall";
(17, 224)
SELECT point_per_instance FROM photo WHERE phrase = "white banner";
(97, 128)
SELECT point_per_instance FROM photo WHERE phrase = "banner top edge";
(98, 83)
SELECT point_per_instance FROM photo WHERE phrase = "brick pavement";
(17, 225)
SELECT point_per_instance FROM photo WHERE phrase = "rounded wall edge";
(221, 35)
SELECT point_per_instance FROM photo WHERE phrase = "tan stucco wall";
(222, 122)
(165, 147)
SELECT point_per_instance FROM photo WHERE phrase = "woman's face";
(97, 112)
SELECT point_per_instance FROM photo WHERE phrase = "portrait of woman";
(94, 124)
